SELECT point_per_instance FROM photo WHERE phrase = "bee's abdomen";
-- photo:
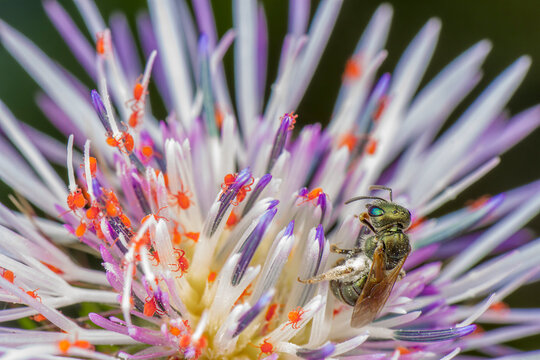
(347, 292)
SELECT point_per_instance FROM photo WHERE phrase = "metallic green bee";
(366, 276)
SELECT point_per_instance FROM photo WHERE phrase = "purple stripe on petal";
(139, 194)
(146, 336)
(321, 353)
(162, 300)
(433, 335)
(252, 313)
(289, 229)
(77, 43)
(229, 196)
(261, 184)
(107, 324)
(247, 250)
(106, 254)
(322, 202)
(100, 110)
(319, 236)
(272, 204)
(138, 164)
(114, 281)
(303, 192)
(285, 127)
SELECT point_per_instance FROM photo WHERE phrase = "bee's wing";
(376, 290)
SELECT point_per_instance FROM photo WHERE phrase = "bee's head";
(383, 213)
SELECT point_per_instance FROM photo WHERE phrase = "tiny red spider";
(154, 256)
(124, 142)
(182, 263)
(265, 348)
(76, 200)
(156, 216)
(294, 317)
(182, 198)
(150, 307)
(34, 294)
(229, 180)
(312, 195)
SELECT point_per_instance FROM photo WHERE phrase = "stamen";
(261, 185)
(287, 123)
(252, 313)
(71, 174)
(100, 110)
(247, 250)
(87, 171)
(433, 335)
(228, 196)
(321, 353)
(322, 203)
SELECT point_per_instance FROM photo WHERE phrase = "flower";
(212, 231)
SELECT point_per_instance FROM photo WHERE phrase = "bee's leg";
(347, 269)
(332, 274)
(335, 249)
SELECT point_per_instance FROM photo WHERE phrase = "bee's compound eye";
(375, 211)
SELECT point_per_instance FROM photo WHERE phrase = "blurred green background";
(512, 26)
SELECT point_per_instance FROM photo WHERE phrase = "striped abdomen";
(348, 292)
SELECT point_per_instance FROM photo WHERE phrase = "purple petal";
(107, 324)
(287, 122)
(321, 353)
(252, 313)
(146, 336)
(261, 184)
(319, 236)
(248, 248)
(322, 202)
(228, 196)
(100, 110)
(433, 335)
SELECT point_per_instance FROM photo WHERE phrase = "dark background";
(512, 26)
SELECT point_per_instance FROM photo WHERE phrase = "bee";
(365, 277)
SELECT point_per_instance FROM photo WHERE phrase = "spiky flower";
(204, 222)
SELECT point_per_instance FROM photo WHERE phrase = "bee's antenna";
(380, 187)
(364, 198)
